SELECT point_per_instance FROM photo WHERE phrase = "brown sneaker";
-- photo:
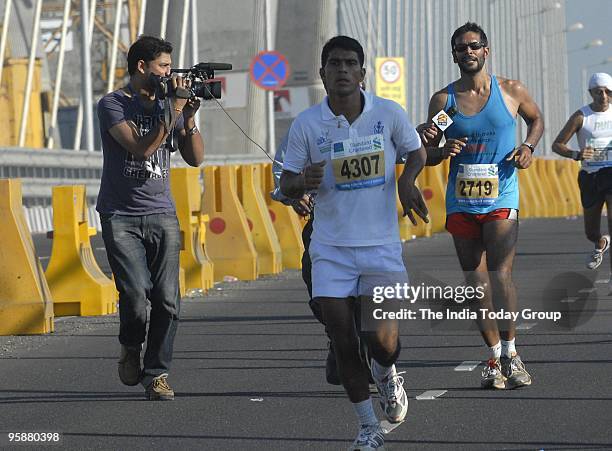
(159, 390)
(129, 365)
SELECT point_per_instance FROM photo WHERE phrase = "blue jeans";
(143, 252)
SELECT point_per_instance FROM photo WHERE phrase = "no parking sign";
(269, 70)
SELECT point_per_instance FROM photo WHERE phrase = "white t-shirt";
(596, 132)
(356, 201)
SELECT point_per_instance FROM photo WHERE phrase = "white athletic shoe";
(370, 437)
(596, 257)
(393, 398)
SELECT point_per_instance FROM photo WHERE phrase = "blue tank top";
(480, 179)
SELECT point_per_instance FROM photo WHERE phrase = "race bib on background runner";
(359, 162)
(603, 152)
(477, 184)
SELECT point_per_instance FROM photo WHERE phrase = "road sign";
(269, 70)
(390, 71)
(390, 79)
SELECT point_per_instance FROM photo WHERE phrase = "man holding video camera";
(139, 224)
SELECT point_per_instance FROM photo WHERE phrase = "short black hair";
(344, 43)
(146, 48)
(466, 28)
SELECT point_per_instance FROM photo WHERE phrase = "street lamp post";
(544, 79)
(539, 82)
(583, 78)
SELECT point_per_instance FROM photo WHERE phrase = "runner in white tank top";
(592, 125)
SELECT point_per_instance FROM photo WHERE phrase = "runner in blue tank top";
(482, 193)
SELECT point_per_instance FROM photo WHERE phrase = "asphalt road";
(249, 367)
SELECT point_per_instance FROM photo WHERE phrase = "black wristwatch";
(192, 131)
(531, 146)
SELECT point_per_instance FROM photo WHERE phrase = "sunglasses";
(476, 45)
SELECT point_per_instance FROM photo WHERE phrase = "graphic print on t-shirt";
(154, 167)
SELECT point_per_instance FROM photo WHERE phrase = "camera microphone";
(213, 66)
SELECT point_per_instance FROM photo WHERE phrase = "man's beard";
(472, 69)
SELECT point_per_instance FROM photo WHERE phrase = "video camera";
(202, 80)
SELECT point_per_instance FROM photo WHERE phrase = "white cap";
(601, 79)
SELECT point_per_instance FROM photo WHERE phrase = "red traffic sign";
(269, 70)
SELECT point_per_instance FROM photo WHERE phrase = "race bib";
(477, 184)
(359, 162)
(603, 152)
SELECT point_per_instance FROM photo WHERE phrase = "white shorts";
(340, 272)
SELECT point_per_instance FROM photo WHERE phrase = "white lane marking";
(568, 300)
(257, 399)
(587, 290)
(101, 249)
(44, 258)
(388, 427)
(468, 365)
(525, 326)
(602, 281)
(431, 394)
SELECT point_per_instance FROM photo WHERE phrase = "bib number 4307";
(360, 166)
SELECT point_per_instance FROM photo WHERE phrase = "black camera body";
(203, 84)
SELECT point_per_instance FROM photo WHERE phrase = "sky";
(596, 16)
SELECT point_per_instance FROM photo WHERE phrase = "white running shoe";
(370, 437)
(393, 398)
(596, 257)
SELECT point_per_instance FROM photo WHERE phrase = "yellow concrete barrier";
(228, 241)
(265, 240)
(187, 193)
(406, 228)
(286, 222)
(549, 183)
(561, 198)
(434, 193)
(529, 200)
(78, 285)
(26, 306)
(539, 184)
(569, 185)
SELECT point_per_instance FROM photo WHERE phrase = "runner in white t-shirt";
(592, 125)
(345, 149)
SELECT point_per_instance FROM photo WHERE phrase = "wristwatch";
(193, 130)
(531, 146)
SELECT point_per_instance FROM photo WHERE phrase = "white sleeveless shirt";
(596, 132)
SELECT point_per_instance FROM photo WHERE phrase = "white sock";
(495, 351)
(365, 412)
(508, 348)
(379, 372)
